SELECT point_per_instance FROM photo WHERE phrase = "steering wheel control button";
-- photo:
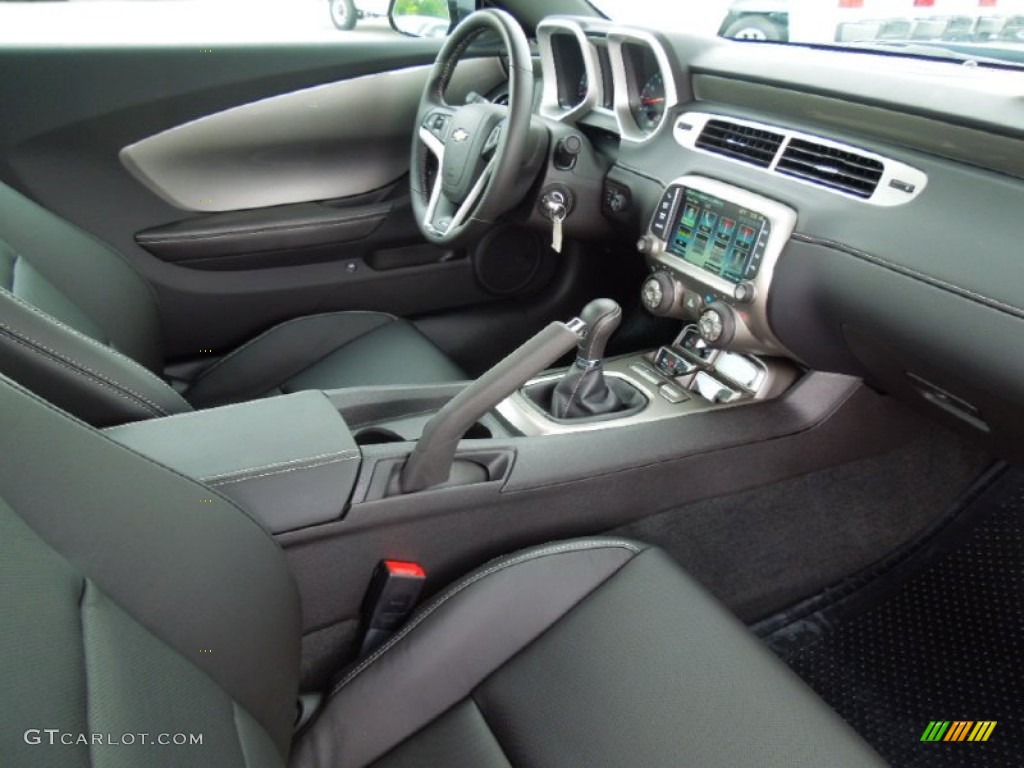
(437, 124)
(492, 140)
(673, 394)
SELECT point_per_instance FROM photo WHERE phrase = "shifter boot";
(584, 391)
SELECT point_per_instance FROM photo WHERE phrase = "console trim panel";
(753, 330)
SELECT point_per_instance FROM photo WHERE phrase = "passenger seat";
(136, 601)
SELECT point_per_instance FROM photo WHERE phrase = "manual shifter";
(584, 391)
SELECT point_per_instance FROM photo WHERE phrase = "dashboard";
(853, 213)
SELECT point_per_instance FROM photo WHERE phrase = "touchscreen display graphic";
(718, 236)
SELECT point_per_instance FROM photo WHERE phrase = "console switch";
(713, 390)
(673, 365)
(646, 373)
(673, 394)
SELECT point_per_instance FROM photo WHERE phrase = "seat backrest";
(133, 600)
(78, 325)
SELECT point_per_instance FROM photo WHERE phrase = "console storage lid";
(290, 461)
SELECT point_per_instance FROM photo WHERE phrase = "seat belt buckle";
(394, 590)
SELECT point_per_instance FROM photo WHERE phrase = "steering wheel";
(479, 147)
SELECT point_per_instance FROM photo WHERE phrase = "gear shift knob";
(602, 317)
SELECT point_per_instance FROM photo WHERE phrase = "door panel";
(336, 140)
(69, 112)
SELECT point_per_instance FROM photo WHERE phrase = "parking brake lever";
(431, 461)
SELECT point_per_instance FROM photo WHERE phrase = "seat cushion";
(326, 351)
(588, 653)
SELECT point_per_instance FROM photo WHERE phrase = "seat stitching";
(589, 348)
(96, 241)
(572, 396)
(348, 453)
(87, 683)
(272, 330)
(125, 393)
(243, 475)
(937, 282)
(469, 581)
(446, 74)
(13, 332)
(88, 339)
(491, 729)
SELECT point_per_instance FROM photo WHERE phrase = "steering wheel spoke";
(479, 148)
(443, 215)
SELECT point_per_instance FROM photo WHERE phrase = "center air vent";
(802, 158)
(830, 167)
(740, 142)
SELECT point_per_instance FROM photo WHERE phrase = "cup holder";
(377, 436)
(382, 436)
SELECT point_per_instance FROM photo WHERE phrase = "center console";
(685, 377)
(712, 248)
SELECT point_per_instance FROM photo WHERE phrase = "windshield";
(988, 32)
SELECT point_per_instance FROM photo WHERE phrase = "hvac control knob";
(744, 292)
(717, 325)
(659, 294)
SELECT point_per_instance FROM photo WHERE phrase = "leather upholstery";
(327, 351)
(290, 461)
(80, 327)
(588, 653)
(135, 600)
(134, 597)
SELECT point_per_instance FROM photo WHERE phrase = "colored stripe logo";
(958, 730)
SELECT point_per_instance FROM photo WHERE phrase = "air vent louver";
(830, 167)
(740, 142)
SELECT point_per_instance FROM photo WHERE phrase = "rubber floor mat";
(929, 641)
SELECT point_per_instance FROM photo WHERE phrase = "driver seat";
(80, 327)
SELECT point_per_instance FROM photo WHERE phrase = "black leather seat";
(136, 601)
(79, 326)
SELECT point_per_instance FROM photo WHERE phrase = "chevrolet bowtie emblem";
(460, 135)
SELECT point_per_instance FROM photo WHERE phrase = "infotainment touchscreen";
(718, 236)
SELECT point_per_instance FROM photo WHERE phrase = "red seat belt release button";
(394, 590)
